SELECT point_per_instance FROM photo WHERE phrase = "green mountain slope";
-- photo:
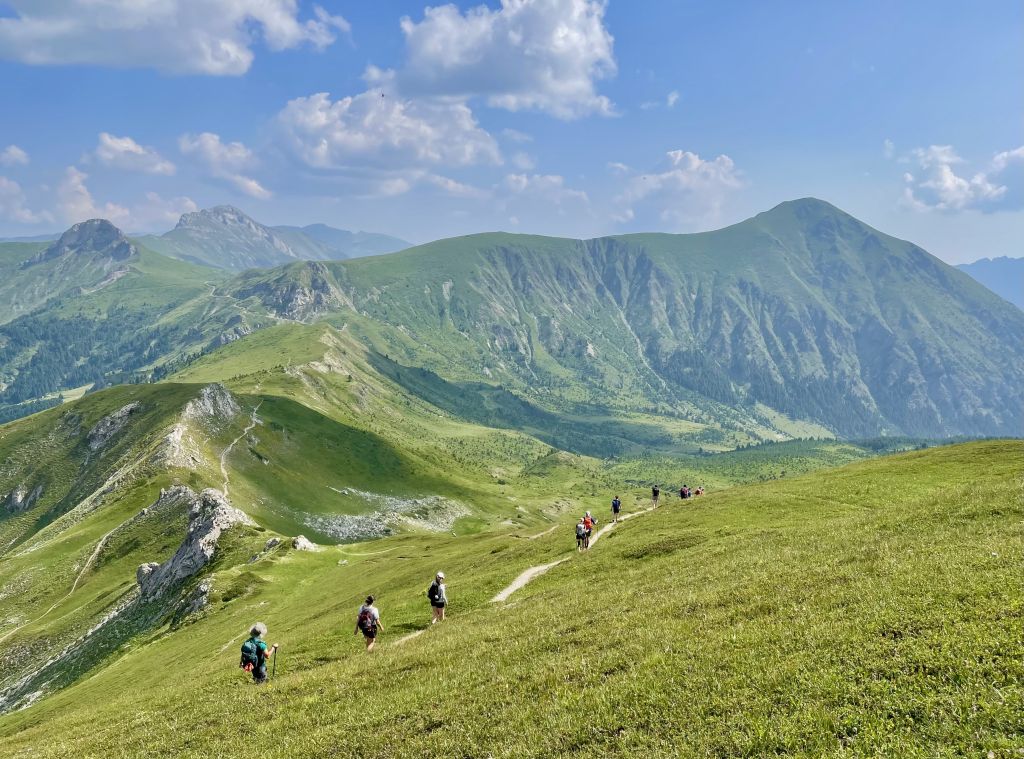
(791, 310)
(873, 608)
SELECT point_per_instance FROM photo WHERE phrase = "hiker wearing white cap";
(438, 595)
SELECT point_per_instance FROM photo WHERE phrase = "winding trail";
(224, 456)
(410, 636)
(74, 586)
(534, 572)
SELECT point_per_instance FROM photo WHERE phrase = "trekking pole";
(273, 667)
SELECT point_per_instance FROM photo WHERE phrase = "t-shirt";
(580, 530)
(616, 503)
(655, 492)
(261, 652)
(588, 522)
(373, 612)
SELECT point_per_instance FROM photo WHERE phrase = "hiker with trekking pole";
(255, 653)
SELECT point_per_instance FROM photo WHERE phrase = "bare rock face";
(301, 543)
(209, 515)
(214, 404)
(109, 426)
(22, 498)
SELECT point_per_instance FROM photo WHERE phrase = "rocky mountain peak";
(96, 238)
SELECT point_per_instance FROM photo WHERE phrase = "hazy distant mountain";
(1004, 276)
(227, 238)
(88, 256)
(49, 237)
(344, 244)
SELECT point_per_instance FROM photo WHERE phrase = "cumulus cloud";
(76, 203)
(13, 205)
(944, 183)
(177, 36)
(12, 155)
(690, 191)
(549, 188)
(224, 160)
(544, 55)
(126, 153)
(381, 129)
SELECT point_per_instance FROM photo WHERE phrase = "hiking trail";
(224, 456)
(534, 572)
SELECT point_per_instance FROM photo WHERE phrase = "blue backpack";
(250, 655)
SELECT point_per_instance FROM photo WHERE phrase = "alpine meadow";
(302, 456)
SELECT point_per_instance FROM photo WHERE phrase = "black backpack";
(250, 655)
(433, 592)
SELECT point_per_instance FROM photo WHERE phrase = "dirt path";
(410, 636)
(542, 534)
(224, 456)
(74, 586)
(534, 572)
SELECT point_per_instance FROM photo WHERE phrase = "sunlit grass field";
(874, 609)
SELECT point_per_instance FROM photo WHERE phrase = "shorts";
(615, 509)
(259, 674)
(370, 634)
(438, 604)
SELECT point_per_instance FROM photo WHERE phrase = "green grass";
(874, 608)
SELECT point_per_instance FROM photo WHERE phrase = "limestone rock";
(210, 514)
(109, 426)
(301, 543)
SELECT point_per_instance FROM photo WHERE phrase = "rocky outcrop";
(210, 515)
(22, 498)
(214, 404)
(302, 543)
(109, 426)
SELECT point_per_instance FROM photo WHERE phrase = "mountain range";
(1004, 276)
(227, 238)
(799, 321)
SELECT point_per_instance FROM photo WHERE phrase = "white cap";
(440, 575)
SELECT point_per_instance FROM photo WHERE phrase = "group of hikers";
(256, 652)
(684, 492)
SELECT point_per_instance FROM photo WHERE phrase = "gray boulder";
(109, 426)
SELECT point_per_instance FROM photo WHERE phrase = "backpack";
(250, 655)
(366, 623)
(580, 530)
(433, 592)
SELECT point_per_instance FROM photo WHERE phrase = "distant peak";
(95, 237)
(217, 214)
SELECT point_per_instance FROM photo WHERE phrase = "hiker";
(616, 507)
(588, 524)
(581, 534)
(700, 490)
(255, 653)
(438, 595)
(655, 494)
(684, 492)
(368, 623)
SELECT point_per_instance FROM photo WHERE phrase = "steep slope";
(802, 310)
(1004, 276)
(873, 609)
(226, 238)
(87, 257)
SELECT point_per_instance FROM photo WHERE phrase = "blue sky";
(569, 117)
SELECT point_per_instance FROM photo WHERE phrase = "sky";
(567, 117)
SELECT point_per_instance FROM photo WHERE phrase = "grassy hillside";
(873, 608)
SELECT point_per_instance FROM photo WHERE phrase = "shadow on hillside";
(494, 406)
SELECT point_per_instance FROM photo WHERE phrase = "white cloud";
(75, 203)
(13, 204)
(549, 188)
(671, 99)
(888, 148)
(12, 155)
(126, 153)
(514, 135)
(375, 128)
(523, 161)
(544, 55)
(224, 160)
(617, 167)
(939, 187)
(690, 191)
(177, 36)
(454, 188)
